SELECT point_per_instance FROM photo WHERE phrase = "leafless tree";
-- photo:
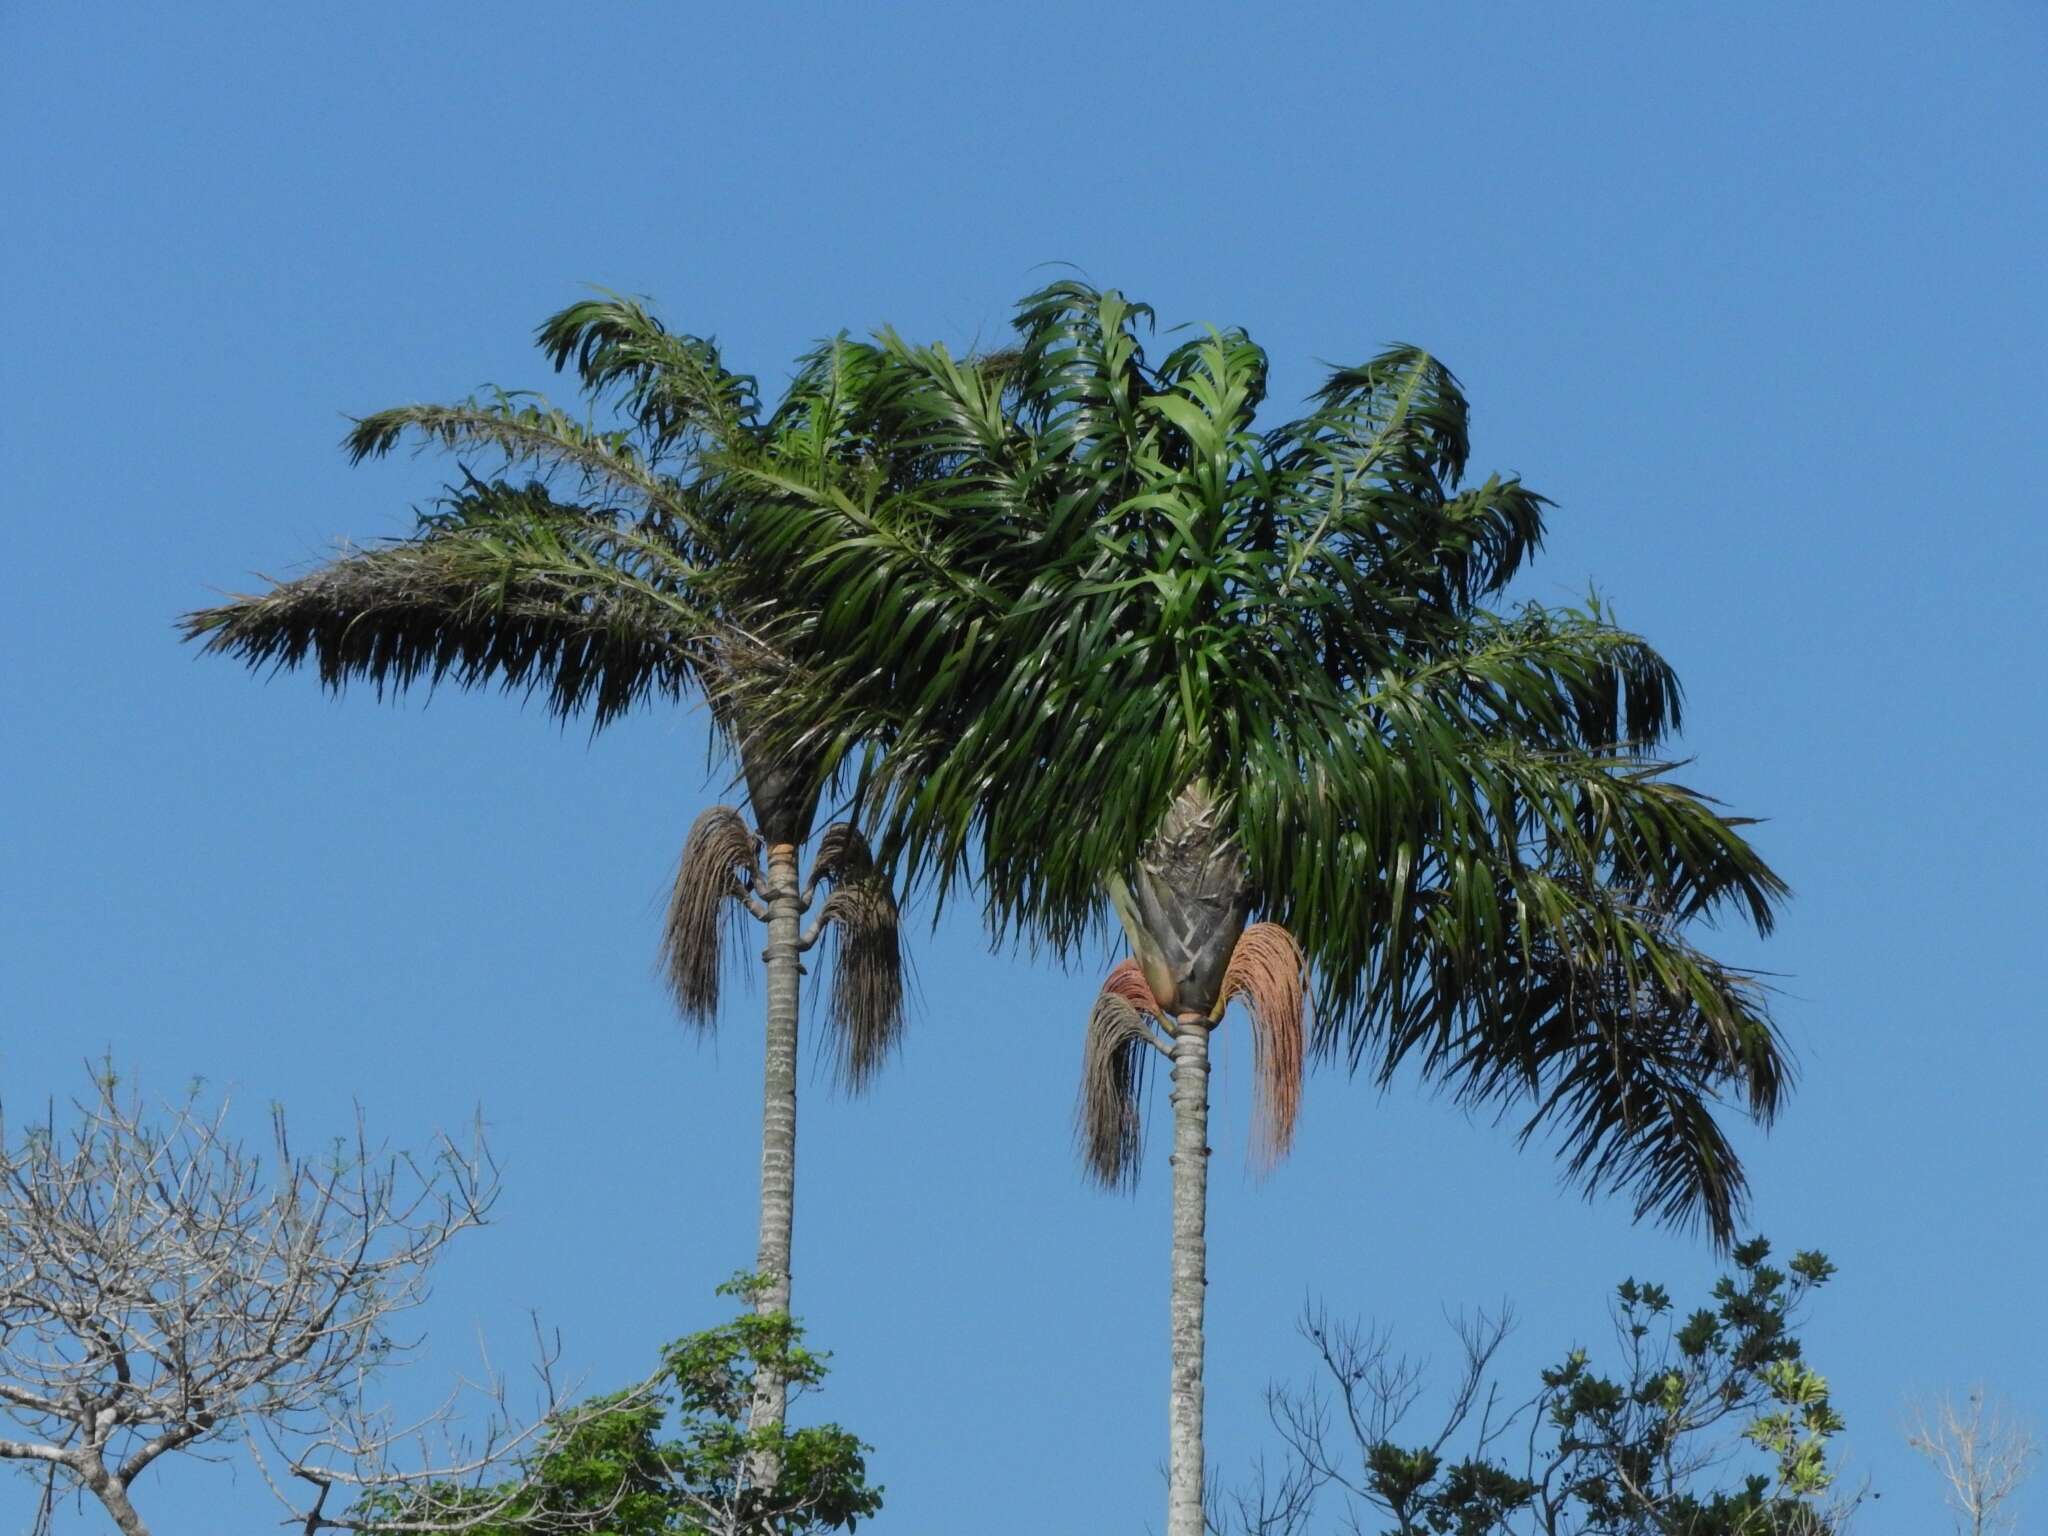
(1370, 1392)
(162, 1290)
(1982, 1453)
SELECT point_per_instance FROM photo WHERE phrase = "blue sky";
(1752, 292)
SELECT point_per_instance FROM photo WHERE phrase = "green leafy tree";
(1117, 652)
(623, 1469)
(604, 581)
(1637, 1451)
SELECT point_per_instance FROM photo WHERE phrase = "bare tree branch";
(164, 1288)
(1982, 1453)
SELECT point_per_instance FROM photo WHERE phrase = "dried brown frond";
(1267, 971)
(996, 361)
(528, 594)
(1113, 1063)
(718, 849)
(865, 1014)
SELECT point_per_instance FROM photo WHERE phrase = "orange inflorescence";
(1267, 971)
(1113, 1062)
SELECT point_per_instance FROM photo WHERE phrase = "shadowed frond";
(717, 853)
(507, 586)
(1626, 1039)
(865, 1014)
(1267, 974)
(1114, 1059)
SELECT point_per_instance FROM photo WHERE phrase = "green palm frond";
(610, 473)
(504, 586)
(1623, 1040)
(674, 387)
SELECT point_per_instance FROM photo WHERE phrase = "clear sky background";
(1752, 291)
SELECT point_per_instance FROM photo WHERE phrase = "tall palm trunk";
(723, 872)
(784, 963)
(1183, 910)
(1184, 1475)
(783, 789)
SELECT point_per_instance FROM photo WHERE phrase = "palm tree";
(1264, 664)
(608, 598)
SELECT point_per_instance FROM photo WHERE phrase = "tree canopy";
(1107, 583)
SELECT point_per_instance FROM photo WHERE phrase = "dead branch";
(164, 1289)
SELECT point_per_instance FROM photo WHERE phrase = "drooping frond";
(1268, 975)
(1630, 1078)
(865, 1014)
(1114, 1059)
(1620, 1035)
(608, 471)
(505, 586)
(717, 853)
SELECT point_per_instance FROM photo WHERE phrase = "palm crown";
(623, 589)
(595, 571)
(1106, 591)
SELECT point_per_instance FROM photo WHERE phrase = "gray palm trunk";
(1184, 911)
(783, 792)
(783, 959)
(733, 864)
(1184, 1472)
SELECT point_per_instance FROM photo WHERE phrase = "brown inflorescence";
(1113, 1064)
(707, 885)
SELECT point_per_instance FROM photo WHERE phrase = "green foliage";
(1102, 580)
(1624, 1452)
(1070, 574)
(620, 1467)
(591, 567)
(1628, 1442)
